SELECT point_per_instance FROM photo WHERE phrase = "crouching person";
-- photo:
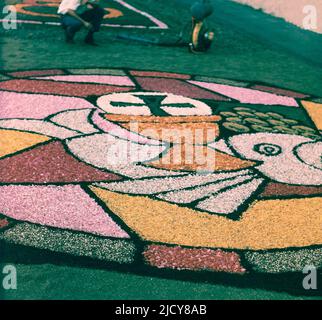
(78, 13)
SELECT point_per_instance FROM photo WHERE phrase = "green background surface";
(236, 54)
(57, 282)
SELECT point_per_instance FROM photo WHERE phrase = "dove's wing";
(228, 200)
(106, 145)
(77, 120)
(114, 150)
(221, 193)
(39, 126)
(111, 153)
(166, 184)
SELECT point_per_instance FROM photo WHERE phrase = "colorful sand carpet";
(162, 170)
(119, 13)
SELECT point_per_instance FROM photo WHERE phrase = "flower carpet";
(162, 170)
(119, 14)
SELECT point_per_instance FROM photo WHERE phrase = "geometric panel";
(177, 87)
(246, 95)
(161, 256)
(22, 105)
(284, 261)
(67, 207)
(150, 168)
(265, 225)
(49, 163)
(64, 241)
(60, 88)
(315, 112)
(12, 141)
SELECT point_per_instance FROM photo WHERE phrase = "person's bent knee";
(71, 22)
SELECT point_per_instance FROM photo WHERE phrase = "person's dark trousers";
(95, 17)
(71, 25)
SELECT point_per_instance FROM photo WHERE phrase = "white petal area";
(244, 144)
(136, 171)
(106, 103)
(246, 95)
(75, 120)
(197, 108)
(191, 195)
(100, 79)
(38, 126)
(292, 171)
(222, 146)
(139, 107)
(158, 185)
(311, 154)
(284, 166)
(117, 155)
(230, 200)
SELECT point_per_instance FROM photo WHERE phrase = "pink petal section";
(37, 106)
(245, 95)
(65, 207)
(113, 80)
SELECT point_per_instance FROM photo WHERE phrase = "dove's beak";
(226, 162)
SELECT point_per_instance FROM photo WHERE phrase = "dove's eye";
(268, 149)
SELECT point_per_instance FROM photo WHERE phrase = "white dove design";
(289, 159)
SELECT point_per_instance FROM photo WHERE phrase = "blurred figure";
(78, 13)
(201, 10)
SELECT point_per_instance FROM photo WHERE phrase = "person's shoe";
(89, 39)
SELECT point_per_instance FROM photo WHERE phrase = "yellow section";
(12, 141)
(113, 13)
(315, 112)
(265, 225)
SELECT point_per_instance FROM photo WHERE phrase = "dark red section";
(35, 73)
(282, 92)
(161, 256)
(49, 163)
(160, 74)
(177, 87)
(61, 88)
(280, 189)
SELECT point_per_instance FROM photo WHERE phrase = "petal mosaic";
(162, 171)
